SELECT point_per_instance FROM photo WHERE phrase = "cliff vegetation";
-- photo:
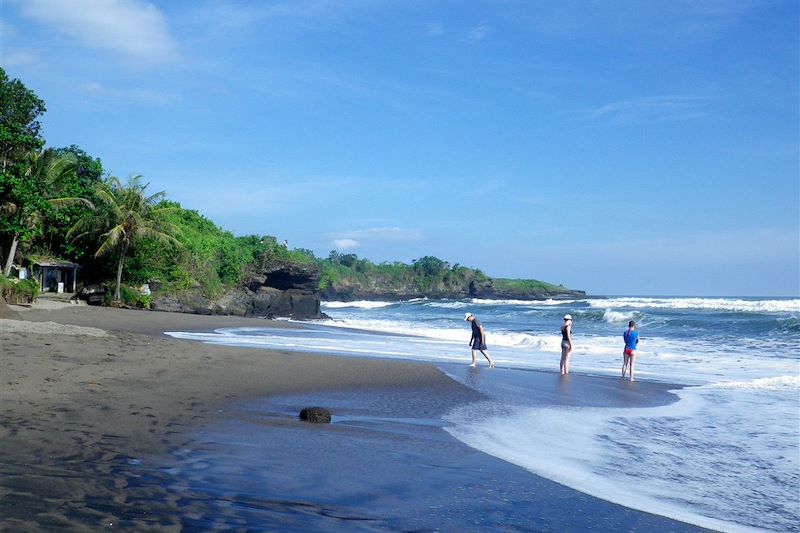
(346, 277)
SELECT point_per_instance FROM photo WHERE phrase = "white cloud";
(245, 196)
(7, 31)
(19, 58)
(127, 95)
(532, 200)
(303, 14)
(669, 105)
(345, 244)
(383, 234)
(434, 29)
(134, 28)
(349, 240)
(479, 33)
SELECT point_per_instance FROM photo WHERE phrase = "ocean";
(725, 455)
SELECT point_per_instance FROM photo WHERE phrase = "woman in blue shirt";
(631, 337)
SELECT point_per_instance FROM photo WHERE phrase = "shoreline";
(135, 358)
(78, 406)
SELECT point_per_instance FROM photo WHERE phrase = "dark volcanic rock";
(316, 415)
(278, 289)
(284, 275)
(483, 289)
(92, 294)
(285, 289)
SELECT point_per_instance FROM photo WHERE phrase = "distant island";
(65, 224)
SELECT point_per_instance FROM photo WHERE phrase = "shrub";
(16, 291)
(143, 301)
(127, 295)
(28, 289)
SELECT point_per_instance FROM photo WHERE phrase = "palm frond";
(109, 201)
(159, 236)
(83, 227)
(60, 203)
(110, 239)
(153, 199)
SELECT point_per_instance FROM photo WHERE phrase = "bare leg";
(633, 362)
(474, 363)
(564, 365)
(625, 360)
(486, 355)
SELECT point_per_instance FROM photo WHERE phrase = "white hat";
(467, 315)
(567, 317)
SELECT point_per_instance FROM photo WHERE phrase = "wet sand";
(95, 417)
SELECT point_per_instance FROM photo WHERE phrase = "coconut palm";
(40, 187)
(125, 215)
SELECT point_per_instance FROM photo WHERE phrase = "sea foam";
(776, 383)
(361, 304)
(638, 457)
(617, 316)
(707, 304)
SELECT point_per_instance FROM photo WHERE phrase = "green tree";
(32, 193)
(88, 173)
(19, 134)
(430, 266)
(88, 169)
(348, 260)
(19, 128)
(125, 214)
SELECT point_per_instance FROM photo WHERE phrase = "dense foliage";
(204, 257)
(20, 109)
(429, 275)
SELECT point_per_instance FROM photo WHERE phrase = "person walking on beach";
(631, 337)
(478, 339)
(566, 344)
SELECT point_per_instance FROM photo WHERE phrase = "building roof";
(59, 263)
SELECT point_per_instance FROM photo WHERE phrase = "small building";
(55, 275)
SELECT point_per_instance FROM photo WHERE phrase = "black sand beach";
(137, 432)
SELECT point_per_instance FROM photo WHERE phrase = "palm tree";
(43, 181)
(125, 215)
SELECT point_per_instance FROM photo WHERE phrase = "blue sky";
(621, 147)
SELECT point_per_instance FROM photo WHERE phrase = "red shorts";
(628, 351)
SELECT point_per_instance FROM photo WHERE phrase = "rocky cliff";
(275, 289)
(377, 289)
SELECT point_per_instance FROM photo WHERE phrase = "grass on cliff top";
(527, 286)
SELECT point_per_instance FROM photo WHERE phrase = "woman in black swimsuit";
(566, 343)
